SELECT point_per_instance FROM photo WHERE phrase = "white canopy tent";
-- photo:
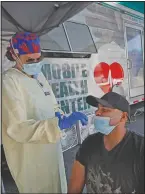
(38, 17)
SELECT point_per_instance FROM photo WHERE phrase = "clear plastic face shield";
(15, 51)
(6, 63)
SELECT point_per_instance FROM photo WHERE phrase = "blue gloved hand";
(68, 122)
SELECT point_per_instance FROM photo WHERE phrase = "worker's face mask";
(32, 69)
(102, 125)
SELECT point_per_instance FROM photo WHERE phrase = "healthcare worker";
(32, 121)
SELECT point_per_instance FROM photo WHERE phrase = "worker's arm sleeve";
(18, 126)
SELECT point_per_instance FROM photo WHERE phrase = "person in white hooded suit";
(32, 121)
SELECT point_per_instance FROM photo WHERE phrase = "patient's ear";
(124, 117)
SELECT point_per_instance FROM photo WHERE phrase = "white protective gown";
(30, 134)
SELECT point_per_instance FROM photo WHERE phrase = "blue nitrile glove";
(68, 122)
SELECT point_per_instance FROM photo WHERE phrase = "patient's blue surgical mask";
(102, 125)
(32, 69)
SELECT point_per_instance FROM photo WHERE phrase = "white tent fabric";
(38, 17)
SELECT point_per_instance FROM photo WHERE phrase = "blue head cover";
(25, 43)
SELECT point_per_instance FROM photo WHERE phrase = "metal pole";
(2, 187)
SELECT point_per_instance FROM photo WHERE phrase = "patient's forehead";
(100, 106)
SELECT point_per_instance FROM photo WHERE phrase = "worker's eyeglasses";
(36, 60)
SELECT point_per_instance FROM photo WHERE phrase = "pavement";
(69, 156)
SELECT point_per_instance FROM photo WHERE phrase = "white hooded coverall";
(30, 134)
